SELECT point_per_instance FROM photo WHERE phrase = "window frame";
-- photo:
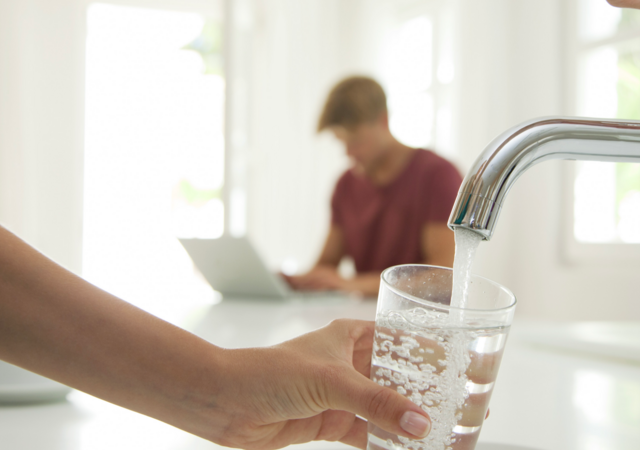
(573, 252)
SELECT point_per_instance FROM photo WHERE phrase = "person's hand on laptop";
(320, 278)
(326, 278)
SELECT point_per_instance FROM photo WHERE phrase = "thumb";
(381, 406)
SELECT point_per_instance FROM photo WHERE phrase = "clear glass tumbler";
(444, 359)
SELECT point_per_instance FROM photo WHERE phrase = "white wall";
(41, 87)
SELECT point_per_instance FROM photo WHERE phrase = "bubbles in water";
(428, 364)
(440, 388)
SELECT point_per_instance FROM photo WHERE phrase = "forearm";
(438, 245)
(333, 249)
(323, 265)
(58, 325)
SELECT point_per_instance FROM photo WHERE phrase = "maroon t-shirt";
(382, 225)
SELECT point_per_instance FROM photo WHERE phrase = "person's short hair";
(352, 102)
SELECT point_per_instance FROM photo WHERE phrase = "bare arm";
(333, 249)
(56, 324)
(438, 249)
(438, 244)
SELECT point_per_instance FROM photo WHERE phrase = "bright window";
(418, 70)
(409, 78)
(154, 150)
(607, 195)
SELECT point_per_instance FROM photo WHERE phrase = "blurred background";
(128, 123)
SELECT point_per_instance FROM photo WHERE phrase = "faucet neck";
(508, 156)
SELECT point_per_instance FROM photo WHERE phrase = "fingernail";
(415, 423)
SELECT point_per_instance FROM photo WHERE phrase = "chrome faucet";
(509, 155)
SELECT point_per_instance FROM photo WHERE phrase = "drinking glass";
(444, 359)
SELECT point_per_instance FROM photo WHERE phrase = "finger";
(379, 405)
(483, 368)
(357, 434)
(360, 332)
(474, 410)
(289, 280)
(342, 426)
(304, 284)
(331, 425)
(317, 285)
(362, 361)
(625, 3)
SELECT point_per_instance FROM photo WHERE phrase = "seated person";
(391, 207)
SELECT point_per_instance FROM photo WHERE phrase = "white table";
(544, 399)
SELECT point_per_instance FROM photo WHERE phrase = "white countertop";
(546, 399)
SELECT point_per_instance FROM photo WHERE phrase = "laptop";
(232, 267)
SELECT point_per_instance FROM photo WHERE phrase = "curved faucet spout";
(509, 155)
